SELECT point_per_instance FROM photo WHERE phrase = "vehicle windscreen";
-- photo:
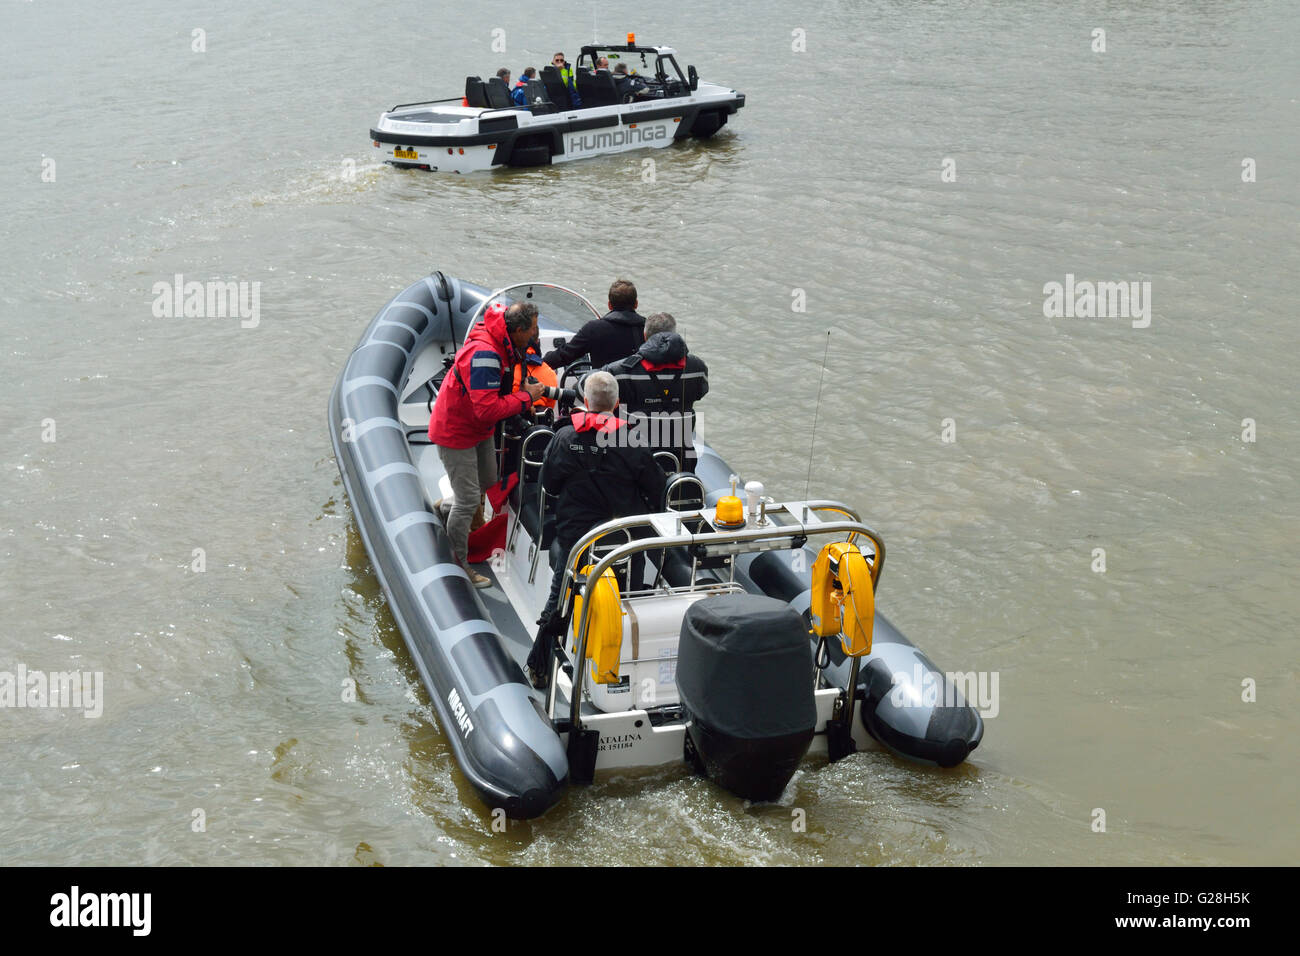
(556, 306)
(647, 65)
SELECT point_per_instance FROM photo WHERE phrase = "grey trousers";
(470, 471)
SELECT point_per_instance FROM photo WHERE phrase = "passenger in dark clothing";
(619, 333)
(597, 477)
(658, 387)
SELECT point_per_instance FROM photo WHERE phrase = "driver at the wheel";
(618, 334)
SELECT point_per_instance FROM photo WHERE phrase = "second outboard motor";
(744, 673)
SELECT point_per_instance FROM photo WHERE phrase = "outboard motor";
(744, 674)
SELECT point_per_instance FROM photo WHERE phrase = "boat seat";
(606, 88)
(585, 80)
(558, 556)
(556, 91)
(676, 569)
(602, 89)
(683, 492)
(528, 516)
(532, 452)
(538, 97)
(476, 92)
(498, 97)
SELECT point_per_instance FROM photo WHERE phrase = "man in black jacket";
(608, 339)
(597, 476)
(658, 386)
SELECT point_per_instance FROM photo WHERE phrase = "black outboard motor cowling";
(745, 676)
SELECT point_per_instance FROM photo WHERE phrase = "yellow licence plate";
(405, 154)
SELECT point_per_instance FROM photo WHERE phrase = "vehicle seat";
(537, 528)
(667, 461)
(476, 92)
(683, 491)
(498, 97)
(538, 97)
(556, 91)
(585, 81)
(603, 89)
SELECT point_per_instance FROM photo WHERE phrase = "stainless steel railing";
(788, 526)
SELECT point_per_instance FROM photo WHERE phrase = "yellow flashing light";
(730, 512)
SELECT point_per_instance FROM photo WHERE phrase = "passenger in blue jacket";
(519, 94)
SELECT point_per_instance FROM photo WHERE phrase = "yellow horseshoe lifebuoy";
(605, 629)
(843, 598)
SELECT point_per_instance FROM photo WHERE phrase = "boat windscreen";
(645, 63)
(556, 306)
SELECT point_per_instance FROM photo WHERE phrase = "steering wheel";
(574, 371)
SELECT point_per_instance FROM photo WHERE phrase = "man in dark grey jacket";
(658, 386)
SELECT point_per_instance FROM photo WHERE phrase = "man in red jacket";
(475, 395)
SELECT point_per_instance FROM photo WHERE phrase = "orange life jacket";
(543, 373)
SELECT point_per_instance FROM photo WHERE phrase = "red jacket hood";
(650, 366)
(492, 330)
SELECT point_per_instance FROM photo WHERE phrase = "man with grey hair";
(597, 476)
(658, 386)
(477, 393)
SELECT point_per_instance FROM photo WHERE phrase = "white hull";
(459, 139)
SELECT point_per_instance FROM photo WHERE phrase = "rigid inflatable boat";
(751, 641)
(652, 105)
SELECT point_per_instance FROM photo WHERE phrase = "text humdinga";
(102, 909)
(208, 300)
(619, 137)
(82, 690)
(1101, 300)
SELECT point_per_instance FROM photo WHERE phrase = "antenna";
(816, 410)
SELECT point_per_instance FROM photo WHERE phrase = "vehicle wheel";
(706, 124)
(539, 154)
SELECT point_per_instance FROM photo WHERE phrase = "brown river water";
(915, 177)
